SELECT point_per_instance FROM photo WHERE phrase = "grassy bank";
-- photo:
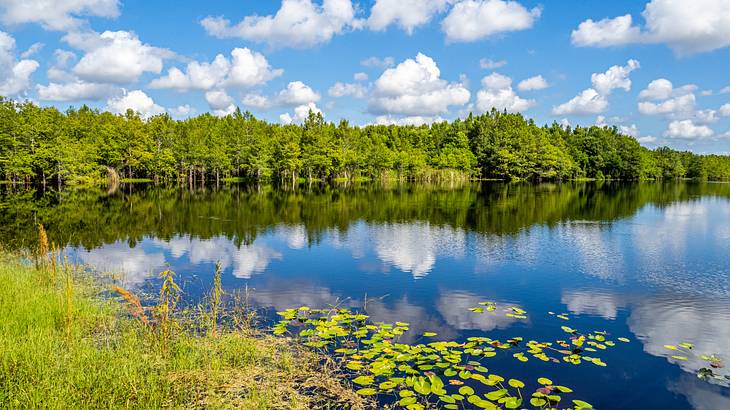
(67, 342)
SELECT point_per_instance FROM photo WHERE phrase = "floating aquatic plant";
(441, 373)
(712, 371)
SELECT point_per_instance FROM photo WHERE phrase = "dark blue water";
(650, 262)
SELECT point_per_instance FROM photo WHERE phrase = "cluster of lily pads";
(439, 373)
(713, 369)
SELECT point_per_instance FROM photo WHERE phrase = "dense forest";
(41, 145)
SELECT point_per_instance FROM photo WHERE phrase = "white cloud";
(662, 89)
(407, 14)
(301, 113)
(658, 89)
(360, 77)
(256, 101)
(497, 93)
(14, 74)
(182, 111)
(117, 57)
(472, 20)
(414, 88)
(680, 106)
(631, 129)
(595, 100)
(32, 50)
(137, 101)
(298, 24)
(725, 90)
(489, 64)
(246, 69)
(647, 139)
(385, 62)
(533, 83)
(605, 33)
(614, 77)
(589, 101)
(75, 91)
(345, 89)
(686, 129)
(416, 120)
(725, 110)
(297, 93)
(55, 15)
(221, 103)
(687, 27)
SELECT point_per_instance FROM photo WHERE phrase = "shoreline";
(65, 343)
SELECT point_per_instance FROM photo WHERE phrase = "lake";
(645, 261)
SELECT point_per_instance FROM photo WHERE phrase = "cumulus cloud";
(588, 102)
(472, 20)
(415, 88)
(298, 24)
(595, 100)
(687, 27)
(614, 77)
(533, 83)
(220, 102)
(137, 101)
(406, 14)
(301, 112)
(56, 15)
(497, 93)
(489, 64)
(416, 120)
(181, 111)
(385, 62)
(296, 94)
(360, 76)
(14, 74)
(75, 91)
(725, 90)
(647, 139)
(245, 69)
(117, 57)
(725, 110)
(662, 98)
(687, 129)
(347, 89)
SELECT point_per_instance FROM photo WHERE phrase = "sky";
(657, 70)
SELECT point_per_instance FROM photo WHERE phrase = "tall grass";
(71, 345)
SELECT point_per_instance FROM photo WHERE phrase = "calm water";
(647, 261)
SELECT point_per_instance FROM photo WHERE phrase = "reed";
(68, 293)
(134, 306)
(216, 298)
(42, 251)
(68, 346)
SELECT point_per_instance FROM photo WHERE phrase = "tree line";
(42, 145)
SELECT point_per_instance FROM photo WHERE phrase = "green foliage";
(84, 146)
(103, 358)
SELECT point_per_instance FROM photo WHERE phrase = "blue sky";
(656, 69)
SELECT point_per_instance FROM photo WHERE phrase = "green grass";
(70, 345)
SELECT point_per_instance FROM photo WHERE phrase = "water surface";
(646, 261)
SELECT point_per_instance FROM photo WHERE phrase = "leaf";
(670, 347)
(581, 405)
(466, 391)
(430, 334)
(407, 401)
(680, 357)
(368, 391)
(545, 381)
(516, 383)
(363, 380)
